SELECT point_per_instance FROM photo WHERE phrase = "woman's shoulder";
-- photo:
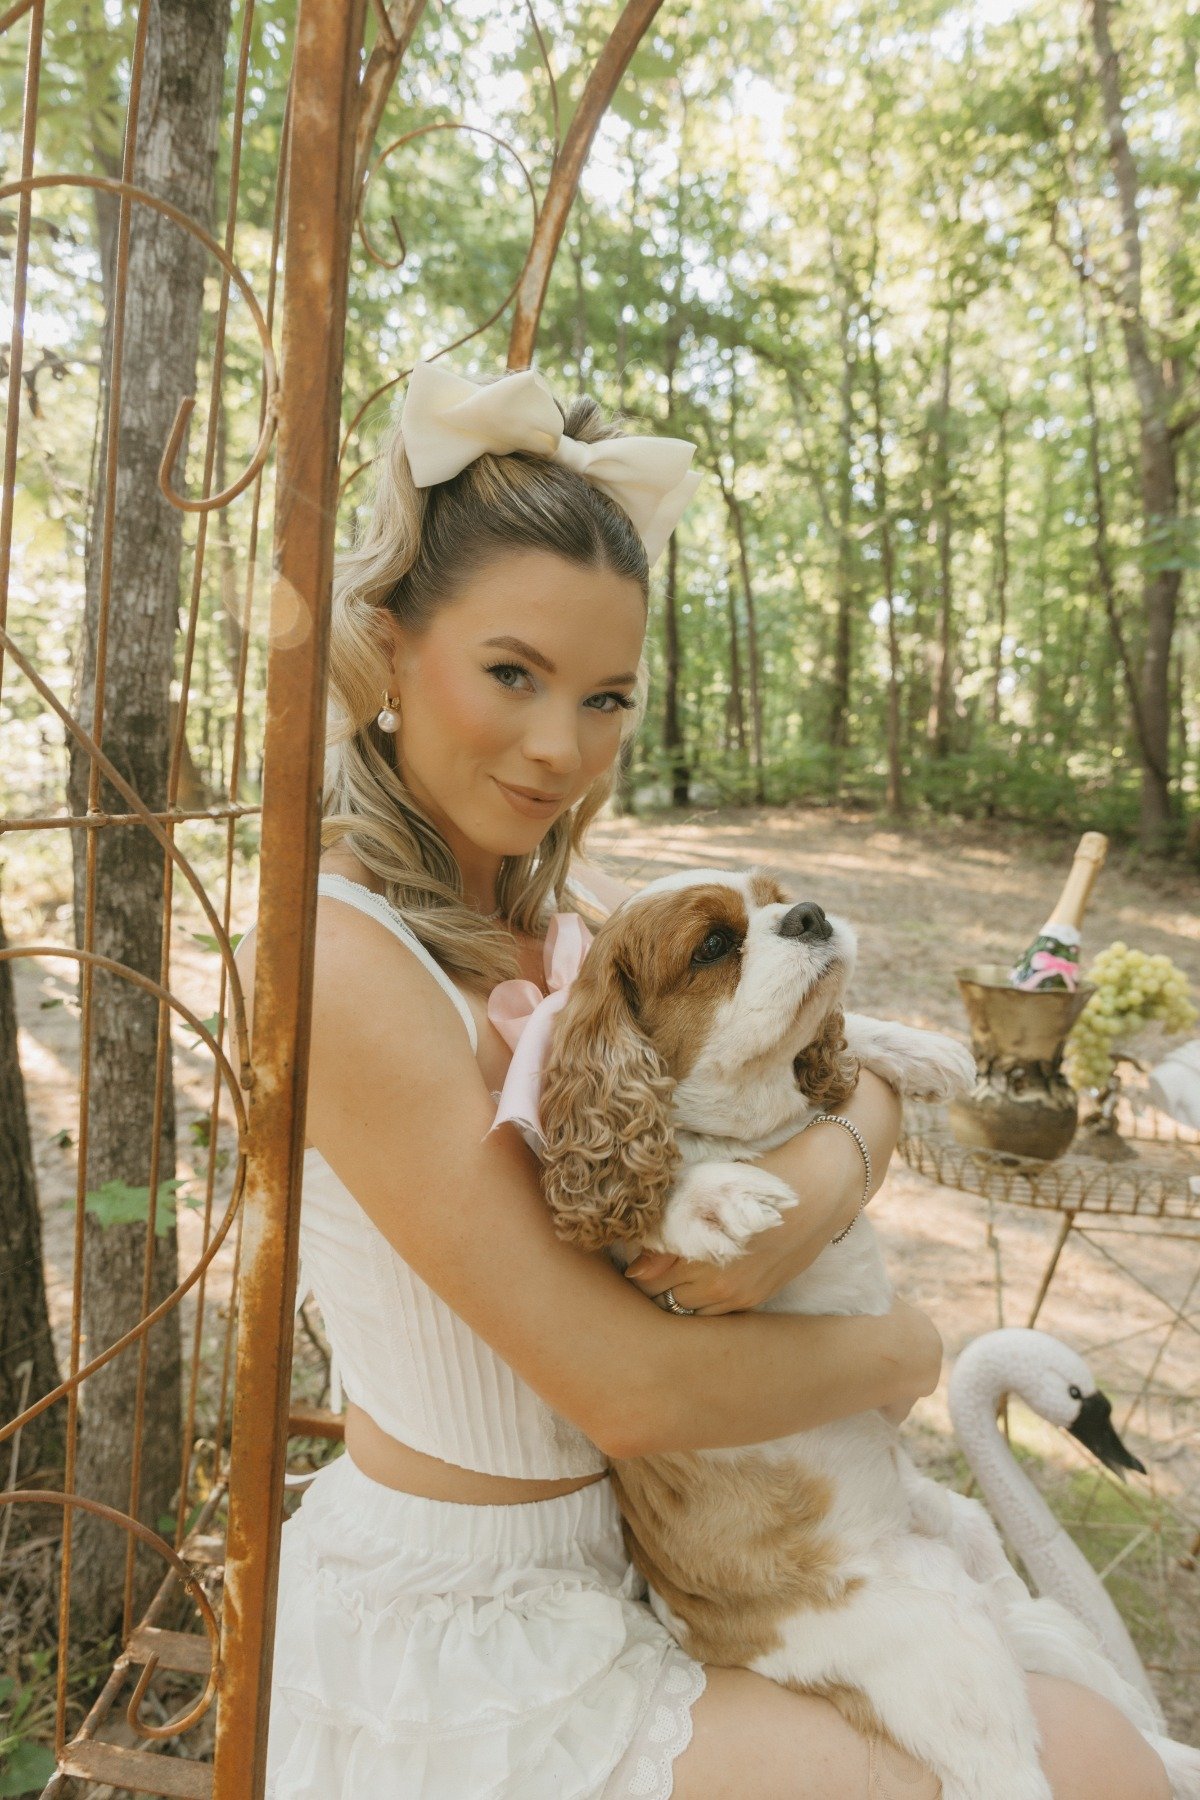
(356, 966)
(353, 967)
(594, 884)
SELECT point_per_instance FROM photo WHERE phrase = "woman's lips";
(528, 802)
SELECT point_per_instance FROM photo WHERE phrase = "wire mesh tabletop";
(1160, 1181)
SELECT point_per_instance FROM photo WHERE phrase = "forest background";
(922, 283)
(921, 280)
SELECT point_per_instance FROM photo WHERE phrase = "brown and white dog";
(706, 1027)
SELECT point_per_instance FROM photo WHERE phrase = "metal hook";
(133, 1711)
(175, 441)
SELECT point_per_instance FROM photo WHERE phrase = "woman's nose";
(553, 740)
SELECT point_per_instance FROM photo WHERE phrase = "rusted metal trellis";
(235, 1286)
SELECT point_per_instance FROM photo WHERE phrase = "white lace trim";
(646, 1771)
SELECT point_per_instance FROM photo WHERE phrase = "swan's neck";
(986, 1371)
(1011, 1496)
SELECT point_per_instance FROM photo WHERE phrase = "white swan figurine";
(1058, 1385)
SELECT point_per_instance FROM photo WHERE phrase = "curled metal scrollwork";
(191, 1584)
(397, 262)
(136, 805)
(410, 137)
(126, 190)
(399, 143)
(236, 1084)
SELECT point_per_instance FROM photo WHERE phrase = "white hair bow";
(448, 421)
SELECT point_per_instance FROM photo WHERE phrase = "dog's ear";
(826, 1069)
(610, 1154)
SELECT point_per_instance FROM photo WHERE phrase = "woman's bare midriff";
(386, 1460)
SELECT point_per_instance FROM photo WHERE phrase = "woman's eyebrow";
(521, 648)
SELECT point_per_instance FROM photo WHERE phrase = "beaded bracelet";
(860, 1140)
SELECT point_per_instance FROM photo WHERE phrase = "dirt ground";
(923, 901)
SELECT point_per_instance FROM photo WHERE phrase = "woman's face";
(513, 697)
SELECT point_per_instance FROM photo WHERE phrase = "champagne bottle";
(1052, 959)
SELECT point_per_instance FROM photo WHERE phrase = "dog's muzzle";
(805, 920)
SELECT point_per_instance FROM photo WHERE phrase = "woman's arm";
(398, 1106)
(824, 1166)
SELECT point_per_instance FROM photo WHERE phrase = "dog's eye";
(717, 944)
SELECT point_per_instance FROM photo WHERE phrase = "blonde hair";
(414, 552)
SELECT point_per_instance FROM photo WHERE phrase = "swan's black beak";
(1094, 1427)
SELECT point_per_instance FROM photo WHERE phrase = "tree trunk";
(1159, 478)
(671, 731)
(28, 1368)
(1001, 584)
(943, 679)
(738, 523)
(735, 710)
(839, 690)
(676, 758)
(1106, 578)
(674, 752)
(123, 867)
(887, 552)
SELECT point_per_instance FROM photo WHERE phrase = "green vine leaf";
(28, 1766)
(207, 941)
(116, 1203)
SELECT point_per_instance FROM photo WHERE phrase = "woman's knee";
(754, 1740)
(1090, 1751)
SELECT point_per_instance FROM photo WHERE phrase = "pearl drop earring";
(389, 715)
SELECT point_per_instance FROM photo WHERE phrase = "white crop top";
(399, 1351)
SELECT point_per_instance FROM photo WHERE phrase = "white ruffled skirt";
(432, 1651)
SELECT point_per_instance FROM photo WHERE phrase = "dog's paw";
(951, 1073)
(715, 1209)
(923, 1065)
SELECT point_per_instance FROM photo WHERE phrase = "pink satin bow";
(524, 1017)
(1043, 963)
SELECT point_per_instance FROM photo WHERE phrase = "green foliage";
(118, 1204)
(24, 1764)
(797, 213)
(993, 783)
(167, 1522)
(25, 1768)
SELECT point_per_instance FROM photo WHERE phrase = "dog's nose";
(805, 920)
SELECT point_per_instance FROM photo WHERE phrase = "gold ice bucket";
(1022, 1103)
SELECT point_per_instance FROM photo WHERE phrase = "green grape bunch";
(1133, 990)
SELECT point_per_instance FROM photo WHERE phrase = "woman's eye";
(716, 945)
(509, 675)
(610, 703)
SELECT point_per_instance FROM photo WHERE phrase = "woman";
(457, 1617)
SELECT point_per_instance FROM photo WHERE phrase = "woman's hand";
(773, 1259)
(823, 1166)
